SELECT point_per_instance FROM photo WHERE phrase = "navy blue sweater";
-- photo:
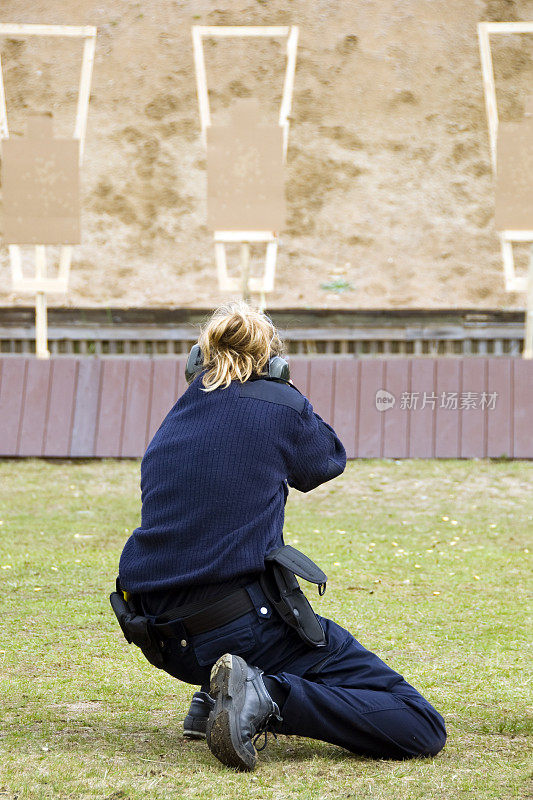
(214, 483)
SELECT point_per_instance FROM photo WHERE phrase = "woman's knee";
(431, 736)
(439, 741)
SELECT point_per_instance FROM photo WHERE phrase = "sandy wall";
(389, 184)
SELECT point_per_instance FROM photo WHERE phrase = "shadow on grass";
(285, 748)
(162, 747)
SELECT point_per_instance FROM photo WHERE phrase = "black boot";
(195, 723)
(243, 710)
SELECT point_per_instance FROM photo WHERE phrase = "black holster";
(281, 587)
(137, 629)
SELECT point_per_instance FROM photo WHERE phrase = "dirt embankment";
(389, 183)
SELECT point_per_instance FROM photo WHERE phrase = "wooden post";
(489, 88)
(528, 336)
(41, 328)
(84, 91)
(288, 86)
(245, 267)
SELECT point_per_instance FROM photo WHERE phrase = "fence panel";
(369, 434)
(136, 413)
(12, 390)
(421, 421)
(110, 421)
(523, 409)
(500, 418)
(86, 407)
(344, 414)
(395, 429)
(448, 389)
(322, 387)
(473, 411)
(63, 377)
(163, 392)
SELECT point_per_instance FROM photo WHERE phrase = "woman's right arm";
(318, 455)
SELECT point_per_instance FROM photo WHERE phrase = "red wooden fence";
(111, 407)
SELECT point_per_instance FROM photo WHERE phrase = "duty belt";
(212, 614)
(278, 582)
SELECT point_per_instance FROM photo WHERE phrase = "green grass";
(85, 716)
(338, 285)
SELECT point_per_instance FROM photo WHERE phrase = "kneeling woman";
(214, 483)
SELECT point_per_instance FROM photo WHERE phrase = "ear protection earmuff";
(195, 362)
(278, 368)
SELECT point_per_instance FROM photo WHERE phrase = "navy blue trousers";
(340, 693)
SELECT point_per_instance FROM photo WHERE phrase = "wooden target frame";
(221, 238)
(513, 282)
(41, 284)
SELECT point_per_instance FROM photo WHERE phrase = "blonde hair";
(236, 342)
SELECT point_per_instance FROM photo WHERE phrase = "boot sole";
(228, 688)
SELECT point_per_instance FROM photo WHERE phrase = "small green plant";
(339, 285)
